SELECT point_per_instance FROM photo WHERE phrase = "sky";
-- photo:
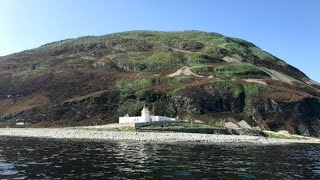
(288, 29)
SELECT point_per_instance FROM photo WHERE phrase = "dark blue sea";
(25, 158)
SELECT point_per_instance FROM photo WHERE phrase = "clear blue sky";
(289, 29)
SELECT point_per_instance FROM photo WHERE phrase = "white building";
(145, 117)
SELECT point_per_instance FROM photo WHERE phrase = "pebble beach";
(160, 137)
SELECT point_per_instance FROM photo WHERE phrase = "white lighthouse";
(145, 114)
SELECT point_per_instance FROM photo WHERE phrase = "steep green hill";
(193, 74)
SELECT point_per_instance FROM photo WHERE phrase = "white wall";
(136, 119)
(130, 119)
(161, 118)
(145, 118)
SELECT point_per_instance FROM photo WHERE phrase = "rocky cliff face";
(192, 74)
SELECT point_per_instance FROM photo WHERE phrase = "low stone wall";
(144, 124)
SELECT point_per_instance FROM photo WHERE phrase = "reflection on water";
(24, 158)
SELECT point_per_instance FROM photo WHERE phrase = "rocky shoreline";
(158, 137)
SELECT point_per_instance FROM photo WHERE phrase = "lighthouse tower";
(145, 114)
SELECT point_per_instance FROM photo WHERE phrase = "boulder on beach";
(283, 132)
(257, 128)
(231, 125)
(243, 124)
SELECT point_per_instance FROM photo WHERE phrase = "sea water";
(26, 158)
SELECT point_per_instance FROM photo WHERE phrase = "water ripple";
(24, 158)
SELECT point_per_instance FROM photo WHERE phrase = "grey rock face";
(244, 124)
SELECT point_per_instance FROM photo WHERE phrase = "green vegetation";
(196, 58)
(131, 87)
(261, 54)
(163, 59)
(254, 89)
(76, 63)
(235, 69)
(235, 88)
(236, 48)
(280, 136)
(229, 87)
(33, 70)
(140, 61)
(205, 70)
(132, 56)
(216, 51)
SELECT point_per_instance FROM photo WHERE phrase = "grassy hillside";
(193, 74)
